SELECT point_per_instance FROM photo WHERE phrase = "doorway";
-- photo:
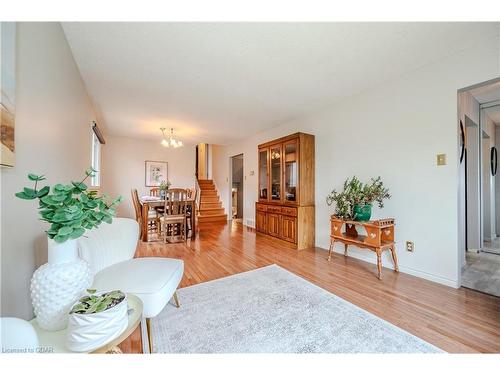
(237, 178)
(201, 163)
(479, 110)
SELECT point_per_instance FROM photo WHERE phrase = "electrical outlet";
(410, 246)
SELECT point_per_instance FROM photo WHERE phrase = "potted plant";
(164, 186)
(96, 319)
(355, 201)
(371, 192)
(70, 210)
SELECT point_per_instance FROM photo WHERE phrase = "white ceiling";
(220, 82)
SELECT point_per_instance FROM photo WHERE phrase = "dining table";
(149, 203)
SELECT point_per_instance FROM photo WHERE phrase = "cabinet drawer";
(261, 207)
(274, 209)
(290, 211)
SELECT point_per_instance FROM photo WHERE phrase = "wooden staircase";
(210, 209)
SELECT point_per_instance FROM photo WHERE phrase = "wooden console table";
(379, 237)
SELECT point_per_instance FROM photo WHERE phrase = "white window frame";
(96, 160)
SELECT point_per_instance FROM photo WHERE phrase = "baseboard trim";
(410, 271)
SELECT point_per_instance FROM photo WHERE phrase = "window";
(96, 160)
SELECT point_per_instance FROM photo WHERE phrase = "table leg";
(145, 213)
(345, 249)
(379, 263)
(394, 258)
(332, 241)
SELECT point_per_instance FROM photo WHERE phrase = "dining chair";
(175, 212)
(154, 192)
(153, 218)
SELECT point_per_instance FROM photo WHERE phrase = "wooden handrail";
(198, 195)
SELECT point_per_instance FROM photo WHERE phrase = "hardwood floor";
(455, 320)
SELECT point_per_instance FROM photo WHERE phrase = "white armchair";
(17, 336)
(110, 249)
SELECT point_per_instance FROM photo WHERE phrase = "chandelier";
(170, 141)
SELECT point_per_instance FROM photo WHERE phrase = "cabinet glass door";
(291, 171)
(276, 157)
(263, 174)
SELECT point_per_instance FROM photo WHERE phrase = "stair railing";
(197, 196)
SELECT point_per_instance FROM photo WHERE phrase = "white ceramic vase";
(87, 332)
(56, 285)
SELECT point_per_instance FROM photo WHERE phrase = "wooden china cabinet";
(285, 209)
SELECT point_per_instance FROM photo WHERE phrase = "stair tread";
(210, 208)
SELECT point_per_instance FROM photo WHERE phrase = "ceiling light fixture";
(170, 141)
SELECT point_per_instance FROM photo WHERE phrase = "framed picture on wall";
(156, 172)
(7, 93)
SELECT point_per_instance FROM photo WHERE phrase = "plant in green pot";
(356, 200)
(372, 192)
(70, 210)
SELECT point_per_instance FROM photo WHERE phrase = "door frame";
(463, 227)
(230, 187)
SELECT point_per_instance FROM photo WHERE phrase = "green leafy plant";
(93, 303)
(375, 192)
(70, 209)
(358, 193)
(164, 185)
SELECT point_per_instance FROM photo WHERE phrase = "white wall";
(123, 167)
(399, 127)
(53, 137)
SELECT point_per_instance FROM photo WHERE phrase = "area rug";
(271, 310)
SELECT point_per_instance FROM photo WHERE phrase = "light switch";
(441, 159)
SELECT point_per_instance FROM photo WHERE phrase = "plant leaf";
(34, 177)
(23, 195)
(43, 192)
(64, 231)
(60, 239)
(77, 232)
